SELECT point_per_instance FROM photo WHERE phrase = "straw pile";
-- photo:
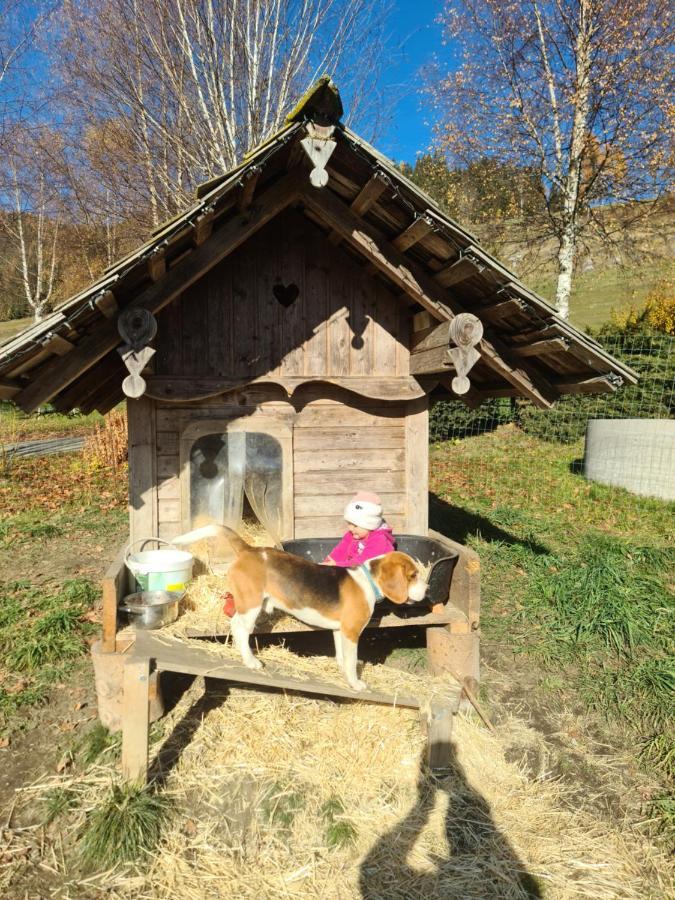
(262, 780)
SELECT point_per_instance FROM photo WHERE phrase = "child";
(367, 536)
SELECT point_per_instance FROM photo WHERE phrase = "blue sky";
(413, 27)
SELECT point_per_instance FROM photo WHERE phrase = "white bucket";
(159, 570)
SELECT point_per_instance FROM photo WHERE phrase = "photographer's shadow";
(480, 862)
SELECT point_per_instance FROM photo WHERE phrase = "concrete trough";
(636, 454)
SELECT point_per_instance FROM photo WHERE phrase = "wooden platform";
(168, 654)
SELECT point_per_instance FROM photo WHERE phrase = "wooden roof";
(393, 228)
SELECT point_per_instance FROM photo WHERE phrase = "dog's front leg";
(337, 637)
(241, 626)
(350, 659)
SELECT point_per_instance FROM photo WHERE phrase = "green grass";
(16, 425)
(58, 801)
(576, 576)
(280, 804)
(97, 742)
(339, 831)
(41, 634)
(12, 327)
(124, 827)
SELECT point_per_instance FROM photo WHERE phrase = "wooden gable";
(286, 303)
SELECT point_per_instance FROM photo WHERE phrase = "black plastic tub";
(424, 549)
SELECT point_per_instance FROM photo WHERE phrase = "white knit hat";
(364, 510)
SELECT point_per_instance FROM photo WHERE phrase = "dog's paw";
(358, 685)
(254, 663)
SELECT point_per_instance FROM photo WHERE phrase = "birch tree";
(33, 226)
(578, 91)
(168, 93)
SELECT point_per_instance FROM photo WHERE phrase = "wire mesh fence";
(635, 450)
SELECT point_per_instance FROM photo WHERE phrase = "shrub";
(108, 446)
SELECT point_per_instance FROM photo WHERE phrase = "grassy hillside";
(597, 293)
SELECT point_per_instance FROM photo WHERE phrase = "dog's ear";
(392, 580)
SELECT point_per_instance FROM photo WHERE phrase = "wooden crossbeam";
(247, 190)
(368, 195)
(57, 344)
(414, 233)
(155, 297)
(176, 656)
(435, 359)
(457, 271)
(157, 264)
(107, 305)
(203, 227)
(540, 348)
(412, 279)
(82, 387)
(585, 386)
(8, 388)
(501, 310)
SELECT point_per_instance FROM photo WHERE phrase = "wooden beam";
(460, 270)
(114, 589)
(412, 279)
(439, 336)
(82, 388)
(8, 388)
(585, 385)
(135, 719)
(177, 656)
(187, 389)
(157, 264)
(540, 348)
(368, 195)
(203, 226)
(107, 305)
(247, 189)
(423, 320)
(155, 297)
(57, 344)
(415, 232)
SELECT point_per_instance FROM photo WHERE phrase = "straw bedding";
(257, 773)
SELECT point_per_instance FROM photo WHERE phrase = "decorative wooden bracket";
(137, 326)
(466, 330)
(319, 146)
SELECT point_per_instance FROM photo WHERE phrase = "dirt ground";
(547, 736)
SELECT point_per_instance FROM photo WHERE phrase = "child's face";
(357, 532)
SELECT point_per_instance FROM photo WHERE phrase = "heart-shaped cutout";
(286, 294)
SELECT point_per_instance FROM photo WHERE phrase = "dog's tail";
(209, 531)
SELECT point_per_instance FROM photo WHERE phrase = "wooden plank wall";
(341, 444)
(342, 322)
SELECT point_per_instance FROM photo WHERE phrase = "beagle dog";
(324, 596)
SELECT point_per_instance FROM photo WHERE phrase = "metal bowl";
(147, 610)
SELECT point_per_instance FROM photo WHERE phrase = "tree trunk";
(566, 255)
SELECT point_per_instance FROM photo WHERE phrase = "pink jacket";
(353, 551)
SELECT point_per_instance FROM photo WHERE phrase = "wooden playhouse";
(280, 344)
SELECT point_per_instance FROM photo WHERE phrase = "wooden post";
(136, 719)
(417, 466)
(439, 735)
(457, 652)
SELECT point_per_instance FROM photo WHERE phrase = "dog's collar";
(378, 593)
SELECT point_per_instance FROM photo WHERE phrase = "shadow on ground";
(458, 524)
(479, 861)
